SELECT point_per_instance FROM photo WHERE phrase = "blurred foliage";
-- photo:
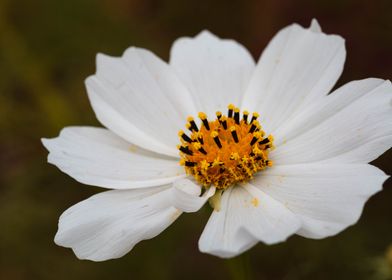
(47, 49)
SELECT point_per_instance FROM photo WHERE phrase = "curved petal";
(186, 195)
(96, 156)
(327, 198)
(139, 98)
(352, 124)
(297, 67)
(108, 225)
(247, 215)
(216, 71)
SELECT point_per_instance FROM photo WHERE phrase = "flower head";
(297, 165)
(226, 151)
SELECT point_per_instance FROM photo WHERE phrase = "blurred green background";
(47, 49)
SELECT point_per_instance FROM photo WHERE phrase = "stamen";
(256, 136)
(237, 115)
(190, 163)
(253, 127)
(230, 112)
(218, 115)
(254, 117)
(193, 126)
(264, 141)
(215, 136)
(224, 123)
(245, 116)
(234, 133)
(185, 150)
(184, 136)
(203, 118)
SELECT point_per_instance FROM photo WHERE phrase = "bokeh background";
(47, 49)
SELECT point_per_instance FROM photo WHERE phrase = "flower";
(299, 165)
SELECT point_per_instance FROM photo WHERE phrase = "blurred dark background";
(47, 49)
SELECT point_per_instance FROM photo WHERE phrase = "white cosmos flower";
(317, 186)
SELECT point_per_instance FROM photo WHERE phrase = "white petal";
(98, 157)
(327, 198)
(297, 67)
(315, 26)
(247, 215)
(353, 124)
(139, 98)
(109, 224)
(216, 71)
(186, 195)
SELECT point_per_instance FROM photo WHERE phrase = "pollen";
(226, 150)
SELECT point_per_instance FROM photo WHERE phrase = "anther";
(193, 126)
(185, 137)
(256, 136)
(253, 127)
(264, 141)
(198, 147)
(254, 117)
(258, 126)
(215, 136)
(237, 115)
(245, 116)
(185, 150)
(203, 118)
(230, 112)
(218, 115)
(224, 123)
(234, 134)
(190, 163)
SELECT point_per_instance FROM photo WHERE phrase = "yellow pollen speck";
(216, 162)
(257, 134)
(255, 202)
(214, 134)
(204, 165)
(225, 151)
(133, 148)
(234, 156)
(196, 145)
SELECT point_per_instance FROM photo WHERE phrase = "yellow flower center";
(226, 150)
